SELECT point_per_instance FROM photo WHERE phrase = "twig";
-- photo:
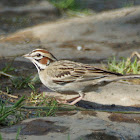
(5, 74)
(13, 96)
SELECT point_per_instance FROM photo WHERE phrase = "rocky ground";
(77, 125)
(92, 39)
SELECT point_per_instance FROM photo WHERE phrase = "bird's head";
(40, 58)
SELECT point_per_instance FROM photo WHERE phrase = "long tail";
(117, 78)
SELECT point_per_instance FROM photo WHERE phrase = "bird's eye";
(38, 55)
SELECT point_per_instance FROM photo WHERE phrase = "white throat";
(39, 66)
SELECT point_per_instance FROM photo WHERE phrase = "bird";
(69, 77)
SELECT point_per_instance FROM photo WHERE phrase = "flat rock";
(119, 94)
(79, 126)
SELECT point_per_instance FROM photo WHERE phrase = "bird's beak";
(26, 56)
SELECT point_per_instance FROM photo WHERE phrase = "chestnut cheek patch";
(44, 60)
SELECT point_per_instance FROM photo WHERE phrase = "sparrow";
(69, 77)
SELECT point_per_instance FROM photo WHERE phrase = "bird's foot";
(72, 101)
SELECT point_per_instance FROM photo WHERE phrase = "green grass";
(71, 7)
(8, 68)
(40, 100)
(125, 66)
(79, 13)
(17, 135)
(20, 111)
(129, 4)
(16, 83)
(22, 82)
(18, 132)
(0, 137)
(65, 4)
(6, 111)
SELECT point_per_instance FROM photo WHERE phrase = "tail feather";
(117, 78)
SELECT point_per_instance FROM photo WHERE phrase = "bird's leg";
(62, 102)
(78, 99)
(66, 101)
(69, 100)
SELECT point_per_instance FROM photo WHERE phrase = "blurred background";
(18, 14)
(88, 31)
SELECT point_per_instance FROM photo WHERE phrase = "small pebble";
(79, 48)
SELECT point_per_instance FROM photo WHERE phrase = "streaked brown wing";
(70, 71)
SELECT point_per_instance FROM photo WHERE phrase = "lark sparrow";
(71, 77)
